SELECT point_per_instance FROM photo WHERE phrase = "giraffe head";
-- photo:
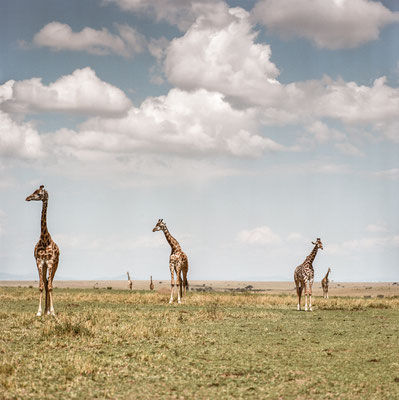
(160, 226)
(38, 195)
(318, 244)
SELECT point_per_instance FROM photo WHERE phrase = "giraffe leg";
(39, 311)
(310, 295)
(172, 282)
(306, 297)
(179, 283)
(51, 273)
(299, 297)
(47, 298)
(178, 293)
(299, 293)
(172, 287)
(51, 310)
(185, 282)
(39, 264)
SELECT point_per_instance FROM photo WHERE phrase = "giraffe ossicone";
(304, 276)
(47, 255)
(178, 263)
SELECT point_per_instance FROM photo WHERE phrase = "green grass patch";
(124, 345)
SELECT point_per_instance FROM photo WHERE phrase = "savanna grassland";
(124, 345)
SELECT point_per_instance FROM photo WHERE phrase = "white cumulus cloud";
(392, 173)
(323, 133)
(366, 244)
(294, 237)
(349, 149)
(219, 53)
(319, 133)
(370, 243)
(376, 228)
(59, 36)
(19, 139)
(358, 104)
(376, 105)
(261, 235)
(181, 13)
(181, 123)
(332, 24)
(82, 92)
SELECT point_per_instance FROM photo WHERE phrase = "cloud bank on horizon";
(223, 111)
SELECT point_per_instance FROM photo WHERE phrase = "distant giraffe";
(178, 262)
(324, 284)
(47, 255)
(304, 275)
(129, 282)
(151, 284)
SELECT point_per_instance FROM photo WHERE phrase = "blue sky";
(250, 127)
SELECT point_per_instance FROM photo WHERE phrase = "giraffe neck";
(326, 277)
(174, 244)
(44, 235)
(312, 255)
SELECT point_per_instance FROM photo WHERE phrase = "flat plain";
(120, 344)
(352, 289)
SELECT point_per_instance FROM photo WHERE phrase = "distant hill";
(16, 277)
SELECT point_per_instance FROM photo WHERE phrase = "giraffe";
(151, 284)
(129, 282)
(178, 262)
(324, 284)
(304, 274)
(47, 255)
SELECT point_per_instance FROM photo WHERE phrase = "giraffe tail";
(185, 283)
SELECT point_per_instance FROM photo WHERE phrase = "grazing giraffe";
(324, 284)
(47, 255)
(304, 275)
(129, 282)
(151, 284)
(178, 262)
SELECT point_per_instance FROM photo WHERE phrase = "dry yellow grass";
(121, 345)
